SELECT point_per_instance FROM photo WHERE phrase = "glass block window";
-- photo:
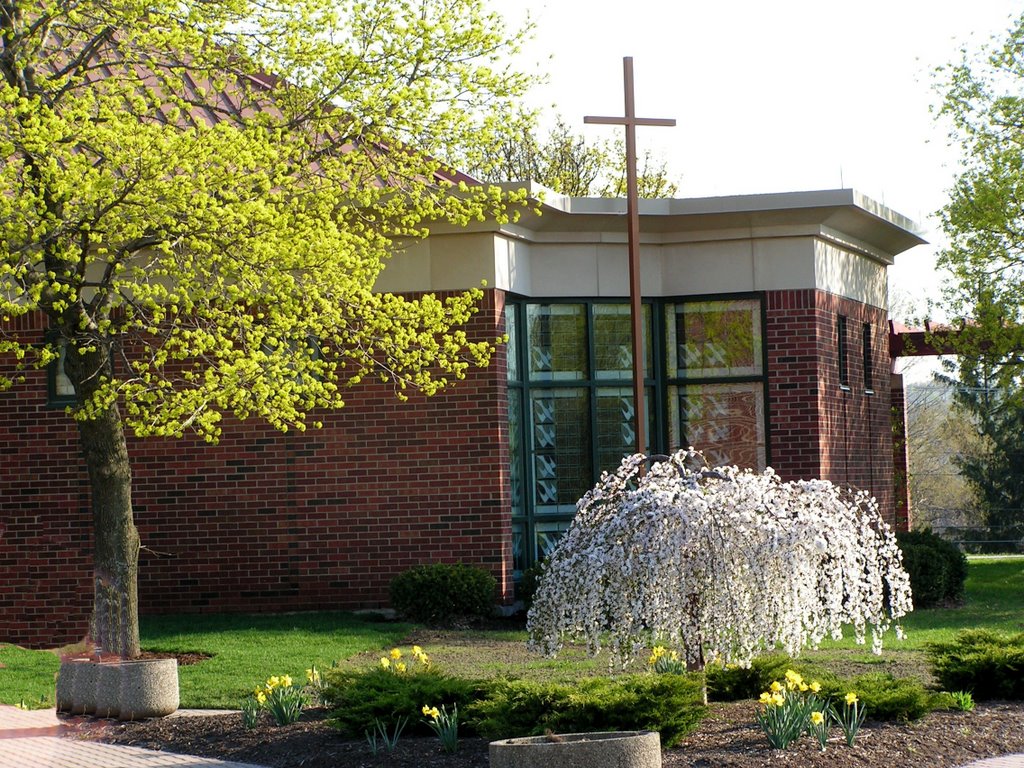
(512, 348)
(613, 341)
(548, 534)
(713, 339)
(616, 425)
(725, 421)
(519, 562)
(571, 404)
(515, 449)
(557, 342)
(562, 467)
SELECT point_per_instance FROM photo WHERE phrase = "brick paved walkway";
(34, 740)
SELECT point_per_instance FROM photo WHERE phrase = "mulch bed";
(727, 738)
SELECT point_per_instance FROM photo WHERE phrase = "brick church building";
(767, 344)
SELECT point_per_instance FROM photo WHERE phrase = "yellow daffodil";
(815, 686)
(396, 654)
(766, 698)
(385, 662)
(776, 686)
(804, 687)
(793, 679)
(433, 712)
(417, 651)
(261, 697)
(400, 666)
(851, 698)
(817, 718)
(273, 682)
(313, 676)
(778, 699)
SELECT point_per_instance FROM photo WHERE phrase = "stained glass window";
(724, 421)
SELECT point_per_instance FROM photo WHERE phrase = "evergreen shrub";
(442, 593)
(884, 697)
(357, 699)
(937, 568)
(669, 704)
(987, 664)
(737, 683)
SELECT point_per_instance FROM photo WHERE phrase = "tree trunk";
(115, 620)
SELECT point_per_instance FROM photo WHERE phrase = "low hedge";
(986, 664)
(669, 704)
(937, 568)
(441, 593)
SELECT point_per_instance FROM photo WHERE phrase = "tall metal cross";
(631, 121)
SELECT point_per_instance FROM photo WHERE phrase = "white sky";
(773, 96)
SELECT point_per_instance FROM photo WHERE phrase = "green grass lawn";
(245, 650)
(993, 599)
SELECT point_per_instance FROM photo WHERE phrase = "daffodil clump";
(664, 661)
(395, 662)
(445, 724)
(850, 718)
(788, 709)
(792, 706)
(722, 563)
(280, 696)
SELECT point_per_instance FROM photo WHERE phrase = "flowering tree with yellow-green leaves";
(720, 563)
(198, 197)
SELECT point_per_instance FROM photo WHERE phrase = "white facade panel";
(851, 275)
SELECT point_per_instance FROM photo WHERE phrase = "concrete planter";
(129, 690)
(108, 689)
(65, 695)
(614, 749)
(83, 688)
(149, 688)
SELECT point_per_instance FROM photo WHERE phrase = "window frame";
(843, 352)
(657, 381)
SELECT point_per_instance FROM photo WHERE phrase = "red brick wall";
(324, 519)
(819, 428)
(263, 521)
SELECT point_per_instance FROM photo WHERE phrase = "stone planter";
(83, 688)
(149, 688)
(613, 749)
(65, 695)
(108, 689)
(129, 690)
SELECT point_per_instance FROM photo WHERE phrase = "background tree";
(984, 223)
(203, 237)
(937, 433)
(567, 163)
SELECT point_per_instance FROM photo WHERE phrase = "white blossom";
(721, 564)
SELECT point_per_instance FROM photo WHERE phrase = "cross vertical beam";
(631, 121)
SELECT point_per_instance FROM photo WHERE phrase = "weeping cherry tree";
(721, 564)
